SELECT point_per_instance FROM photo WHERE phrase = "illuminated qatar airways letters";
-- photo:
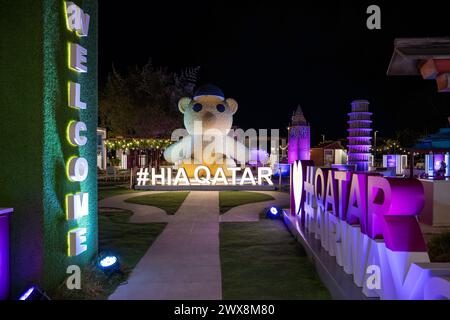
(369, 223)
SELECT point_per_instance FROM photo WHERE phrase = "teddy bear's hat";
(209, 90)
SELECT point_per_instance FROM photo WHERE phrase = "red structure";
(428, 57)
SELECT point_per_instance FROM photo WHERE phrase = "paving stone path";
(183, 263)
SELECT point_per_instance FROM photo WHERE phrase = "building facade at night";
(329, 154)
(359, 135)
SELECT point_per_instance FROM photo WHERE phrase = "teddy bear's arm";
(179, 150)
(236, 150)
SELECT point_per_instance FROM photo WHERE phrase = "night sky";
(271, 56)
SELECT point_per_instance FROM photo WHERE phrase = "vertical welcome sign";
(77, 205)
(49, 120)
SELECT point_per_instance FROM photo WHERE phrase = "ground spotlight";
(274, 212)
(34, 293)
(108, 262)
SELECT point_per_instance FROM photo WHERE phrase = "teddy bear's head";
(209, 107)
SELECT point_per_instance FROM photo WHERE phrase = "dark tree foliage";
(409, 137)
(143, 101)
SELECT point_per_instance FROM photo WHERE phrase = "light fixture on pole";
(375, 146)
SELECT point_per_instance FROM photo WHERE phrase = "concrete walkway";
(184, 261)
(141, 213)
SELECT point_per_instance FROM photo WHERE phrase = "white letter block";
(75, 128)
(197, 175)
(78, 169)
(266, 174)
(77, 240)
(76, 19)
(77, 57)
(77, 205)
(75, 97)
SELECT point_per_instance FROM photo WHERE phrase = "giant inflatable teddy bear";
(208, 118)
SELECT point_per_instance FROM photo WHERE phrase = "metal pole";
(375, 147)
(131, 178)
(279, 179)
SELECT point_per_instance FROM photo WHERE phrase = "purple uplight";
(27, 294)
(4, 253)
(273, 210)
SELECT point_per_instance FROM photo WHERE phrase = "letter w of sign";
(77, 20)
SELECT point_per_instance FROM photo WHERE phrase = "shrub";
(439, 247)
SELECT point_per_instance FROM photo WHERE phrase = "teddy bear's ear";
(183, 103)
(232, 104)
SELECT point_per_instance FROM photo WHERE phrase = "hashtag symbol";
(142, 177)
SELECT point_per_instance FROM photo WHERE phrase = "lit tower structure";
(359, 138)
(299, 137)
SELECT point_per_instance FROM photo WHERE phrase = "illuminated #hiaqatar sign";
(204, 176)
(369, 223)
(77, 205)
(208, 151)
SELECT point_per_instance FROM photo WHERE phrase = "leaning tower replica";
(359, 135)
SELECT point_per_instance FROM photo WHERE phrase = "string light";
(134, 143)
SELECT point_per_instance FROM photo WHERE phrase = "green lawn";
(128, 241)
(168, 201)
(261, 260)
(230, 199)
(439, 247)
(106, 192)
